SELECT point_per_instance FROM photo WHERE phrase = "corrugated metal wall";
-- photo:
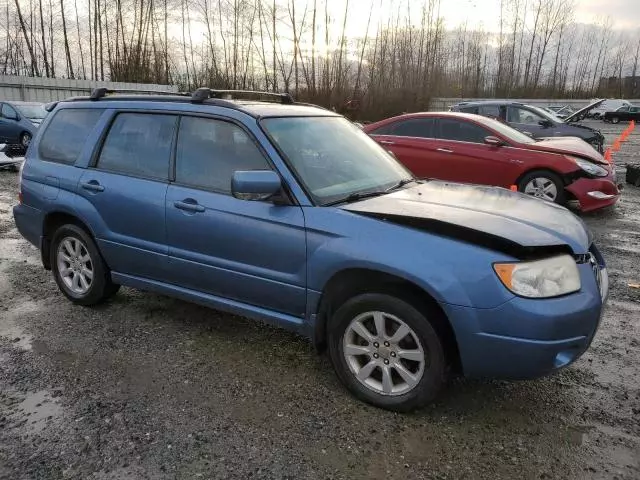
(32, 89)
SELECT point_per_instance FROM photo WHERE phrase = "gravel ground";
(148, 387)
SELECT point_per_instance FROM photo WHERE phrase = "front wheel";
(386, 352)
(544, 185)
(78, 267)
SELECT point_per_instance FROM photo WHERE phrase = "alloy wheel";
(75, 266)
(542, 187)
(384, 353)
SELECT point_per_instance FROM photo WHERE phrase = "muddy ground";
(148, 387)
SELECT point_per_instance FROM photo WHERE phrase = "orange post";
(513, 188)
(607, 155)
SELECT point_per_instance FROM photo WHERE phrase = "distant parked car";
(609, 105)
(19, 121)
(535, 121)
(623, 114)
(471, 148)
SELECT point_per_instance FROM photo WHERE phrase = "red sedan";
(471, 148)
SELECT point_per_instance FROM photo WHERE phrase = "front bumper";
(525, 338)
(595, 193)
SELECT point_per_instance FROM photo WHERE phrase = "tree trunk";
(34, 64)
(66, 41)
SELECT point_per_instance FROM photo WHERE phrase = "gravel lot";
(148, 387)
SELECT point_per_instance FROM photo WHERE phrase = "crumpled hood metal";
(493, 217)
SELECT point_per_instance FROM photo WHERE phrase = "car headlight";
(546, 278)
(590, 168)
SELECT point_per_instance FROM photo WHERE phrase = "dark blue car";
(536, 122)
(290, 214)
(19, 121)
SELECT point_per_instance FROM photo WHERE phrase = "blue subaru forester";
(290, 214)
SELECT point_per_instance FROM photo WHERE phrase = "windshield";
(333, 158)
(35, 111)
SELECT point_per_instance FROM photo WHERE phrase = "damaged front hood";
(579, 114)
(568, 145)
(493, 217)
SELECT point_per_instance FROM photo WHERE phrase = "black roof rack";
(101, 92)
(204, 93)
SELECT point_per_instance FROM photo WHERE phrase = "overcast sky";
(625, 14)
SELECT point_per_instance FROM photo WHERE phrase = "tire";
(615, 120)
(25, 139)
(422, 341)
(543, 178)
(77, 245)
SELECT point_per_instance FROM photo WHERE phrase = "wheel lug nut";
(386, 362)
(393, 354)
(386, 344)
(376, 344)
(375, 355)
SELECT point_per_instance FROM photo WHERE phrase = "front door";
(126, 192)
(527, 121)
(248, 251)
(465, 157)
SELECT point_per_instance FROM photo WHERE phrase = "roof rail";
(101, 92)
(204, 93)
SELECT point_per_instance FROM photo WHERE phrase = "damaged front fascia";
(472, 236)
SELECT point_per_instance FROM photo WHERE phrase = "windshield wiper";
(354, 197)
(400, 184)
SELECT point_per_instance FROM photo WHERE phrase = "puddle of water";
(38, 409)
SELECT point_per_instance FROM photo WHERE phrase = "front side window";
(210, 151)
(139, 144)
(64, 138)
(333, 158)
(460, 131)
(523, 115)
(32, 111)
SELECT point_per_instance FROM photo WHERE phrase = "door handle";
(189, 206)
(92, 186)
(387, 142)
(444, 150)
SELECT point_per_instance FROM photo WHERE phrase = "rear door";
(249, 251)
(463, 156)
(411, 141)
(124, 191)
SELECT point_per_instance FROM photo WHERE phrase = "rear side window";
(210, 151)
(469, 109)
(414, 127)
(67, 133)
(492, 111)
(139, 144)
(450, 129)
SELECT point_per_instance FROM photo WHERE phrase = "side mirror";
(495, 141)
(545, 123)
(255, 185)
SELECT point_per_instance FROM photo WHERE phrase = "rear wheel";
(386, 352)
(78, 267)
(544, 185)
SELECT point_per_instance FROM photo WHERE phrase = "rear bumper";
(29, 223)
(526, 338)
(594, 193)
